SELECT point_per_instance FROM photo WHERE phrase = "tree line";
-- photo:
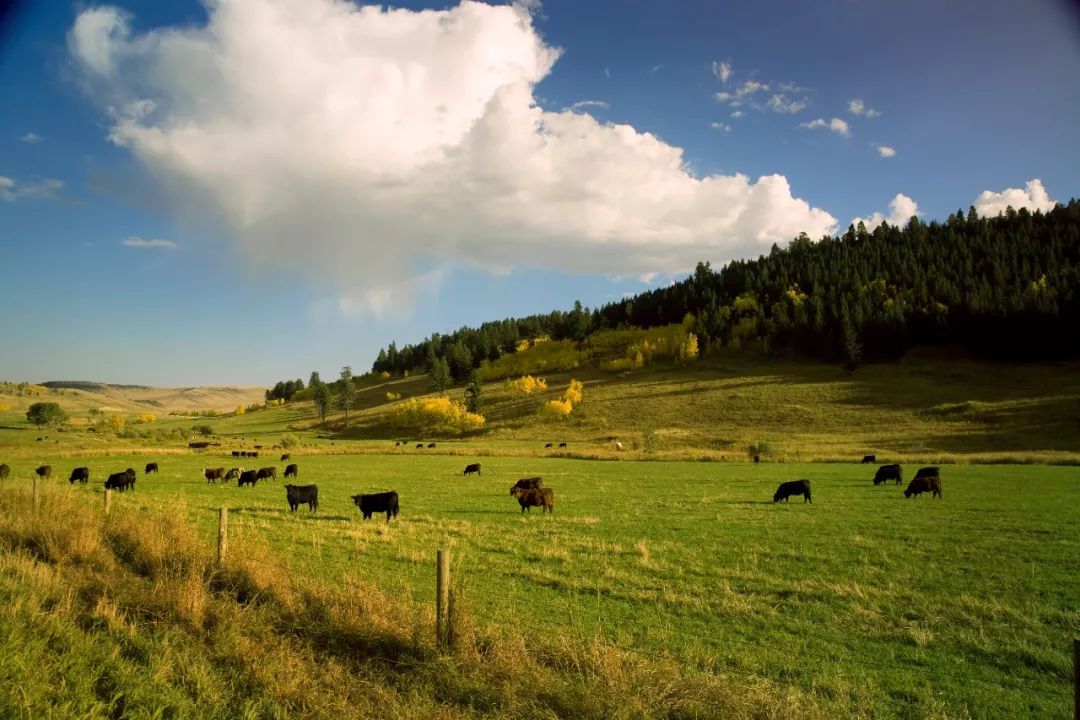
(1003, 287)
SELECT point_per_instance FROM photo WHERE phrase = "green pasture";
(868, 603)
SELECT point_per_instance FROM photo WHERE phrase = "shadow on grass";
(285, 512)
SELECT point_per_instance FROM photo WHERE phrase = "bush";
(146, 418)
(558, 408)
(46, 413)
(116, 423)
(435, 414)
(289, 440)
(573, 393)
(526, 386)
(204, 430)
(392, 396)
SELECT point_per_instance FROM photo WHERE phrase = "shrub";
(116, 422)
(558, 408)
(526, 386)
(205, 430)
(240, 410)
(289, 440)
(4, 407)
(392, 396)
(573, 393)
(435, 414)
(46, 413)
(384, 375)
(146, 418)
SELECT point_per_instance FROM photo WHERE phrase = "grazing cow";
(526, 484)
(248, 477)
(82, 474)
(618, 446)
(757, 459)
(121, 481)
(258, 447)
(869, 459)
(233, 474)
(397, 444)
(529, 498)
(284, 457)
(43, 471)
(299, 494)
(5, 471)
(419, 446)
(386, 502)
(431, 445)
(924, 482)
(474, 468)
(199, 445)
(562, 445)
(254, 453)
(793, 487)
(267, 472)
(292, 471)
(237, 453)
(213, 474)
(548, 446)
(889, 472)
(151, 468)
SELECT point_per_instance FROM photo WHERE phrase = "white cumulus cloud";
(858, 107)
(837, 125)
(901, 209)
(885, 151)
(137, 242)
(1033, 197)
(357, 142)
(722, 70)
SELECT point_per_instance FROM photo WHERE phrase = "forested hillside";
(1003, 287)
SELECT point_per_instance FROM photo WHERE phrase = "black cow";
(81, 474)
(284, 457)
(5, 471)
(548, 446)
(232, 474)
(292, 471)
(237, 453)
(121, 481)
(529, 498)
(431, 445)
(889, 472)
(924, 481)
(419, 446)
(474, 468)
(793, 487)
(267, 472)
(526, 484)
(562, 445)
(43, 471)
(869, 459)
(248, 477)
(386, 502)
(254, 453)
(299, 494)
(213, 474)
(757, 459)
(151, 468)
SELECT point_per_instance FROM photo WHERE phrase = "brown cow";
(924, 482)
(526, 484)
(535, 497)
(213, 474)
(43, 471)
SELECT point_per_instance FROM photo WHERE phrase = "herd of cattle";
(529, 492)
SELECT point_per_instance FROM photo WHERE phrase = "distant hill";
(85, 395)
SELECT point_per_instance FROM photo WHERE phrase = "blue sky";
(245, 195)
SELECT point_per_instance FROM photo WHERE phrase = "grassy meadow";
(666, 583)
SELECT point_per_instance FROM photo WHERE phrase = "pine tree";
(347, 393)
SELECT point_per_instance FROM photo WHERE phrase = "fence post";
(35, 493)
(442, 599)
(1076, 678)
(222, 534)
(108, 500)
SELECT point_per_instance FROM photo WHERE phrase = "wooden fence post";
(442, 599)
(222, 534)
(1076, 678)
(35, 493)
(108, 500)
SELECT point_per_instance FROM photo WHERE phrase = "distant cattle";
(529, 498)
(151, 468)
(757, 459)
(526, 484)
(474, 468)
(80, 474)
(248, 477)
(889, 472)
(299, 494)
(237, 453)
(926, 480)
(198, 445)
(419, 446)
(431, 445)
(793, 487)
(43, 471)
(548, 446)
(5, 471)
(267, 472)
(562, 445)
(386, 502)
(284, 457)
(213, 474)
(292, 471)
(121, 481)
(397, 444)
(232, 474)
(869, 459)
(254, 453)
(258, 447)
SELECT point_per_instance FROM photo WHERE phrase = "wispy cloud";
(783, 104)
(607, 73)
(656, 68)
(31, 137)
(746, 95)
(586, 104)
(722, 70)
(742, 94)
(137, 242)
(737, 114)
(720, 126)
(858, 107)
(44, 189)
(838, 126)
(885, 150)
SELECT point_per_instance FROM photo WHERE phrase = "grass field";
(864, 603)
